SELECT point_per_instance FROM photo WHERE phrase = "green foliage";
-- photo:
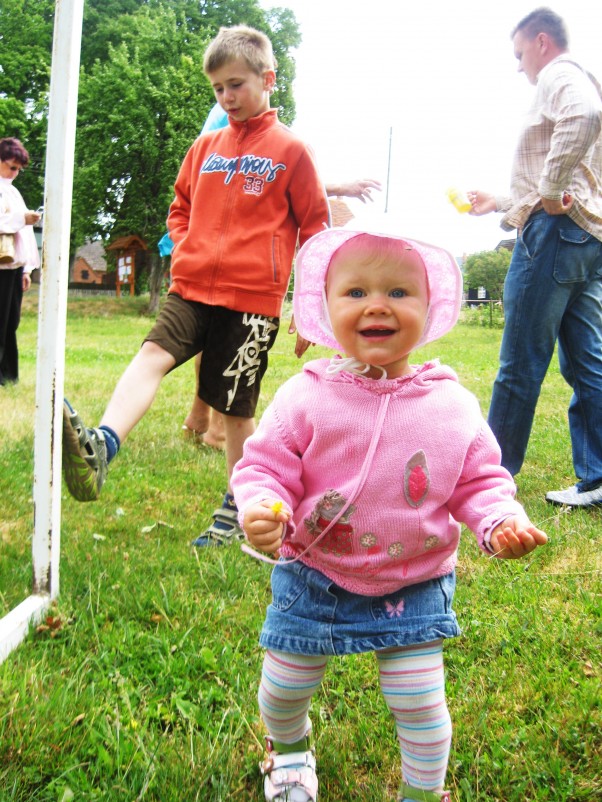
(144, 104)
(103, 25)
(141, 684)
(489, 313)
(487, 269)
(12, 117)
(284, 33)
(26, 36)
(142, 99)
(25, 49)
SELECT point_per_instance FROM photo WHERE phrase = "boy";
(242, 197)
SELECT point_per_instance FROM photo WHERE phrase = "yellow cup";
(459, 200)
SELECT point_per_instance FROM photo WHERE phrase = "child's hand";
(515, 537)
(301, 345)
(264, 524)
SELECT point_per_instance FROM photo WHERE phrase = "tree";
(143, 99)
(139, 110)
(103, 27)
(25, 52)
(487, 269)
(283, 30)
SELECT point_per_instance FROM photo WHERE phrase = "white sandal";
(290, 772)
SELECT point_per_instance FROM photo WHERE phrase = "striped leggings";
(412, 682)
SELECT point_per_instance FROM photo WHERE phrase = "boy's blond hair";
(243, 42)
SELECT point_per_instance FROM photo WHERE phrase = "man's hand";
(482, 202)
(556, 207)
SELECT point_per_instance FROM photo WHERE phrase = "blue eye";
(397, 293)
(356, 293)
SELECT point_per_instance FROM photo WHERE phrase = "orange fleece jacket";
(243, 195)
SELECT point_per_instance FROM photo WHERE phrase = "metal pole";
(388, 170)
(52, 316)
(52, 313)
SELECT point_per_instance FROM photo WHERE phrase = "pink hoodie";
(397, 462)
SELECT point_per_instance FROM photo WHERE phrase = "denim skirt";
(311, 615)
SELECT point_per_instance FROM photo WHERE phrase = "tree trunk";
(158, 266)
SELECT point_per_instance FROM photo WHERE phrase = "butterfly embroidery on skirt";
(393, 610)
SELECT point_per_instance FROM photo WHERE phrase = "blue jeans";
(553, 291)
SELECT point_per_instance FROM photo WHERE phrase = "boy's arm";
(308, 198)
(179, 211)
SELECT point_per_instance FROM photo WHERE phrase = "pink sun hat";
(444, 281)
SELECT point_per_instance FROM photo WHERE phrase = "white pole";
(388, 170)
(51, 324)
(53, 295)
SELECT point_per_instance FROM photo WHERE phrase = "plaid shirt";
(560, 149)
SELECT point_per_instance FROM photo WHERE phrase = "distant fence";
(91, 289)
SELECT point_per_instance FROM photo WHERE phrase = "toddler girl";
(359, 474)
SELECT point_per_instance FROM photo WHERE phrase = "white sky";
(443, 77)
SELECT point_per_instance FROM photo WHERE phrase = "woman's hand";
(31, 217)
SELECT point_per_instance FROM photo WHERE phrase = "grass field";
(141, 685)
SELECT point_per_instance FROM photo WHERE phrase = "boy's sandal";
(84, 457)
(408, 792)
(221, 535)
(290, 772)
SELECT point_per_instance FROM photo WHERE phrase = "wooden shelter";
(126, 249)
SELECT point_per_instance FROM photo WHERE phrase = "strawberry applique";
(416, 480)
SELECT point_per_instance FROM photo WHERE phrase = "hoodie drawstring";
(361, 481)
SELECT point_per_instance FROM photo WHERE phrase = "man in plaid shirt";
(553, 290)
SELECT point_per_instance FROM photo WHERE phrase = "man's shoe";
(571, 497)
(84, 457)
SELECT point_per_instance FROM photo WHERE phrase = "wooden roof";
(130, 243)
(93, 253)
(340, 213)
(508, 244)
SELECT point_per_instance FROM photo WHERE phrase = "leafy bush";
(488, 313)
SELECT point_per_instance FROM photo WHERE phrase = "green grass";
(142, 683)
